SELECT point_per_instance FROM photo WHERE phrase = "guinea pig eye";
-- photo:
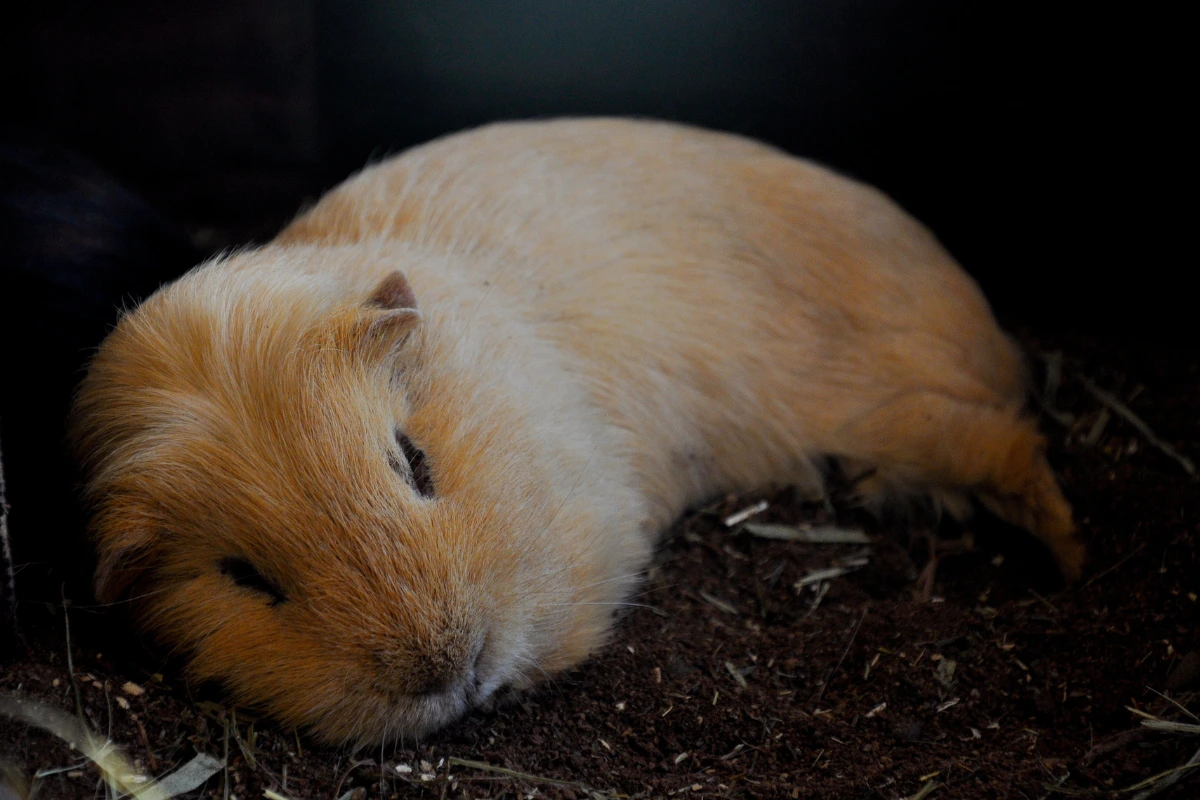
(243, 574)
(415, 469)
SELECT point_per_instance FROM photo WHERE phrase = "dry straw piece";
(116, 771)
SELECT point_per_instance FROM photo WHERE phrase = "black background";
(1043, 143)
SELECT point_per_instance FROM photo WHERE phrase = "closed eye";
(415, 467)
(246, 576)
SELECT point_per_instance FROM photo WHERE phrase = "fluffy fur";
(595, 323)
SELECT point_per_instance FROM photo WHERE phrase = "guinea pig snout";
(450, 663)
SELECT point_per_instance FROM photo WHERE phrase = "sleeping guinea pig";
(412, 452)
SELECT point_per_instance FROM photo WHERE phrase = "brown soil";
(728, 682)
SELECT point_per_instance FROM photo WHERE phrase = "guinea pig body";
(415, 449)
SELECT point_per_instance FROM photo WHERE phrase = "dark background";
(1040, 142)
(1037, 140)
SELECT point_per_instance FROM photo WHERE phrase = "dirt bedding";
(741, 672)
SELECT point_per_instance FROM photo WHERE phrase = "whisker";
(584, 603)
(571, 492)
(551, 573)
(120, 602)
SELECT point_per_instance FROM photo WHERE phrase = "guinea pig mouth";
(486, 690)
(499, 697)
(485, 677)
(444, 699)
(417, 716)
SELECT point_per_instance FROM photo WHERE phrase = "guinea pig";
(413, 451)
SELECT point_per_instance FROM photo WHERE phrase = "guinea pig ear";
(122, 564)
(395, 298)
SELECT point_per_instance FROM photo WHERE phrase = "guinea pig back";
(415, 450)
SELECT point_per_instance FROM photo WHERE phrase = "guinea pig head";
(284, 495)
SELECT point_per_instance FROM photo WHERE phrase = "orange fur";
(613, 319)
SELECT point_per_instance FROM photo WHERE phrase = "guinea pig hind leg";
(943, 446)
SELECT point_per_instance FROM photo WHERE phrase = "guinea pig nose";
(478, 664)
(455, 665)
(434, 676)
(482, 678)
